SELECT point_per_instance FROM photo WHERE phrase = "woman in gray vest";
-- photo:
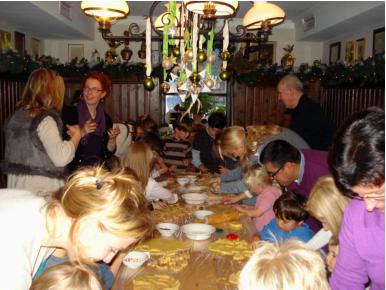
(35, 153)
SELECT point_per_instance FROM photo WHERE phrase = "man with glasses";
(295, 169)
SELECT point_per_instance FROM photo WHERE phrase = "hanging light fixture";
(210, 9)
(262, 14)
(105, 11)
(163, 18)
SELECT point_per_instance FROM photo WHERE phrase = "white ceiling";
(28, 16)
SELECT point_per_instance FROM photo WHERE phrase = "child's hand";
(171, 180)
(229, 200)
(203, 169)
(214, 180)
(256, 239)
(172, 168)
(160, 205)
(223, 169)
(242, 207)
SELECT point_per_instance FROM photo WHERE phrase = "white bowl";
(135, 259)
(167, 229)
(194, 198)
(183, 180)
(201, 214)
(198, 232)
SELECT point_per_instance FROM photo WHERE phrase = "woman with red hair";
(98, 141)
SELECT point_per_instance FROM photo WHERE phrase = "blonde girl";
(95, 215)
(140, 158)
(284, 265)
(326, 204)
(258, 183)
(68, 276)
(35, 153)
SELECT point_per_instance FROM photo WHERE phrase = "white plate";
(198, 232)
(194, 198)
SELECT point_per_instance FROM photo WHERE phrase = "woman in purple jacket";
(357, 163)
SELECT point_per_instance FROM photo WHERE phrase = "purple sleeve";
(350, 269)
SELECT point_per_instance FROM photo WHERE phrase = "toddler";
(68, 276)
(259, 183)
(289, 222)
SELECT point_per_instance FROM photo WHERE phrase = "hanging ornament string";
(148, 47)
(182, 41)
(209, 49)
(165, 42)
(172, 19)
(194, 42)
(225, 42)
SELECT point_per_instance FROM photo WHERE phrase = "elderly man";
(295, 169)
(308, 119)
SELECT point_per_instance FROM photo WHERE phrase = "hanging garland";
(368, 73)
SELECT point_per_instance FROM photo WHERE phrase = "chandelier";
(183, 29)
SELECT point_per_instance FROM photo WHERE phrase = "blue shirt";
(272, 231)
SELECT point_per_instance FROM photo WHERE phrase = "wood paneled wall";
(259, 105)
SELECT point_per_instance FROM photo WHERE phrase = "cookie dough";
(236, 248)
(156, 282)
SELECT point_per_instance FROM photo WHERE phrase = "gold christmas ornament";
(211, 57)
(165, 87)
(148, 83)
(209, 83)
(189, 53)
(167, 64)
(201, 56)
(224, 75)
(179, 85)
(225, 55)
(176, 52)
(194, 78)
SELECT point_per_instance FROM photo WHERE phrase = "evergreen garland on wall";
(368, 73)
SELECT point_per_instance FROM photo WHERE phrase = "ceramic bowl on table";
(167, 229)
(135, 259)
(201, 214)
(183, 180)
(199, 188)
(194, 198)
(198, 232)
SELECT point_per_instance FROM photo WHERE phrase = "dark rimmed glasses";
(273, 174)
(94, 90)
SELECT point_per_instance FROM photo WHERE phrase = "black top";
(94, 152)
(203, 142)
(309, 121)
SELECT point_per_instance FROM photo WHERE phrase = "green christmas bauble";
(225, 55)
(148, 83)
(224, 75)
(176, 52)
(194, 78)
(201, 56)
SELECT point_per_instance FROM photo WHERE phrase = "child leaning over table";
(259, 183)
(289, 222)
(177, 150)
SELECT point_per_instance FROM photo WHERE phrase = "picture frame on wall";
(334, 52)
(379, 41)
(267, 53)
(20, 42)
(75, 50)
(360, 49)
(5, 37)
(35, 47)
(350, 52)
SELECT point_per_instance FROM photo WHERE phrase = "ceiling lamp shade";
(105, 9)
(212, 9)
(164, 19)
(261, 14)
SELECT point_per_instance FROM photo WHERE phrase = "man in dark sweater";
(308, 119)
(203, 156)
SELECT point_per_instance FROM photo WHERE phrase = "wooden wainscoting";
(339, 103)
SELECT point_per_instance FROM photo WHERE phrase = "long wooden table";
(205, 270)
